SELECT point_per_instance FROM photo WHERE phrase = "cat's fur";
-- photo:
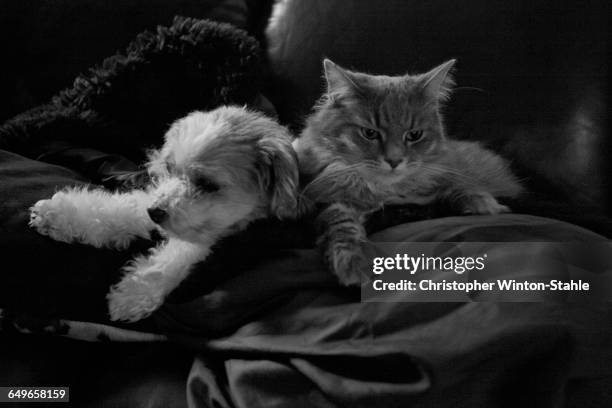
(374, 140)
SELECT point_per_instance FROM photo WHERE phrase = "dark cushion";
(531, 75)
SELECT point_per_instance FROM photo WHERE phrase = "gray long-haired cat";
(374, 140)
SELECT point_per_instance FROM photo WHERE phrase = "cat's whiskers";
(450, 173)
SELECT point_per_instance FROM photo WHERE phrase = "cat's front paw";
(482, 203)
(346, 263)
(50, 217)
(133, 299)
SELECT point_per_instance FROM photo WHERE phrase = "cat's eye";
(370, 134)
(414, 135)
(206, 185)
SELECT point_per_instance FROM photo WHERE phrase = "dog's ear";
(279, 175)
(156, 166)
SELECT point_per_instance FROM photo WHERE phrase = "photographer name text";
(475, 285)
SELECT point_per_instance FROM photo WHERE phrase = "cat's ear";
(338, 79)
(439, 82)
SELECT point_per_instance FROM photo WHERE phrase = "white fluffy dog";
(216, 172)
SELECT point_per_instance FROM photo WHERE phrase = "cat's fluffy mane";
(336, 169)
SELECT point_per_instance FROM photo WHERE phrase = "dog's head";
(219, 170)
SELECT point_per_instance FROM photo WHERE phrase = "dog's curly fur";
(216, 172)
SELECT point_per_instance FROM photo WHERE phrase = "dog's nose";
(157, 214)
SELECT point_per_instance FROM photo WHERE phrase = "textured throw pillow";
(46, 43)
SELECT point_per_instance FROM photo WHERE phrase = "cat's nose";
(393, 162)
(157, 214)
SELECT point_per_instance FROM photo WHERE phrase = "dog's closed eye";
(206, 185)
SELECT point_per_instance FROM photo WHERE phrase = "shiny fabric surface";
(283, 334)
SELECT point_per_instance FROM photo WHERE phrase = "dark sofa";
(533, 85)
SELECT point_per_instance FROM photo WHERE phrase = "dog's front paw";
(50, 217)
(134, 298)
(482, 203)
(346, 263)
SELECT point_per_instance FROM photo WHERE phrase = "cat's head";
(389, 124)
